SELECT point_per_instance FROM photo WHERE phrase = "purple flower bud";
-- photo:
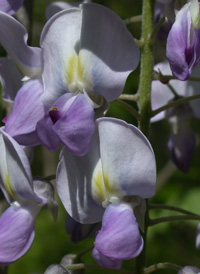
(183, 44)
(181, 143)
(181, 146)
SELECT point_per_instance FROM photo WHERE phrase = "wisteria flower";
(183, 43)
(25, 196)
(82, 71)
(120, 163)
(182, 140)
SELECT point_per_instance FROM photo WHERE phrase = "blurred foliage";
(172, 242)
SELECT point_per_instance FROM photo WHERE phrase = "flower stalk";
(174, 218)
(175, 103)
(144, 93)
(156, 267)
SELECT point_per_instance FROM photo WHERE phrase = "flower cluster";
(58, 93)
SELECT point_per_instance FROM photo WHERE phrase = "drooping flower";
(90, 65)
(25, 196)
(120, 163)
(183, 43)
(10, 6)
(181, 143)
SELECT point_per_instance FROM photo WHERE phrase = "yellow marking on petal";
(80, 70)
(98, 186)
(76, 81)
(8, 186)
(72, 68)
(195, 14)
(54, 108)
(110, 189)
(20, 69)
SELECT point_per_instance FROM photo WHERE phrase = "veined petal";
(13, 37)
(131, 167)
(8, 71)
(60, 58)
(106, 261)
(96, 61)
(74, 176)
(119, 237)
(127, 170)
(10, 7)
(58, 6)
(46, 134)
(108, 51)
(16, 234)
(15, 172)
(183, 44)
(76, 127)
(27, 111)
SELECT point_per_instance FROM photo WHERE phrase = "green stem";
(146, 74)
(94, 266)
(173, 91)
(172, 208)
(132, 110)
(155, 267)
(133, 19)
(83, 252)
(166, 78)
(129, 97)
(144, 93)
(175, 103)
(173, 218)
